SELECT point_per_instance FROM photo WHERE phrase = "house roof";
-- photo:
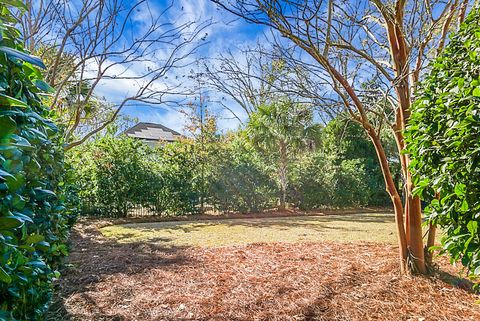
(152, 132)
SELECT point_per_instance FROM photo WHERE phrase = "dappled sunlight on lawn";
(373, 227)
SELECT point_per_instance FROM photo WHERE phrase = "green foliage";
(175, 168)
(281, 122)
(343, 171)
(34, 222)
(116, 174)
(280, 131)
(240, 180)
(444, 143)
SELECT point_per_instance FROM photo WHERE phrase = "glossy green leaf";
(472, 227)
(14, 53)
(476, 92)
(4, 276)
(42, 85)
(9, 223)
(7, 125)
(10, 101)
(15, 3)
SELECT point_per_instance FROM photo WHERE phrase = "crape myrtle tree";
(126, 45)
(346, 43)
(443, 142)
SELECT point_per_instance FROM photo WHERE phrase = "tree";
(344, 142)
(122, 43)
(387, 42)
(345, 167)
(279, 129)
(250, 78)
(254, 76)
(443, 140)
(202, 127)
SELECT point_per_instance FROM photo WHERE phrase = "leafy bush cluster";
(227, 173)
(116, 174)
(240, 179)
(34, 221)
(342, 172)
(444, 144)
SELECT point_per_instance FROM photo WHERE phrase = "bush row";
(117, 174)
(34, 219)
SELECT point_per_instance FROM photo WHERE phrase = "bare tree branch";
(115, 43)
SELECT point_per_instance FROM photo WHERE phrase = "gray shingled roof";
(152, 132)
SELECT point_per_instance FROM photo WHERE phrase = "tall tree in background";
(385, 41)
(129, 46)
(279, 129)
(254, 76)
(202, 127)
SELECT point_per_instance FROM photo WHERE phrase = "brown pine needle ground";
(326, 280)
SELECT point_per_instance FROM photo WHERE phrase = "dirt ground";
(108, 280)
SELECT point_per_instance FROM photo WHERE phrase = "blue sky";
(226, 33)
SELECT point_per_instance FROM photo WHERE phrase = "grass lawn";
(373, 227)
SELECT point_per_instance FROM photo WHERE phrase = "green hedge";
(34, 222)
(443, 139)
(239, 179)
(117, 174)
(343, 171)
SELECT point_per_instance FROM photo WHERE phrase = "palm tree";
(279, 130)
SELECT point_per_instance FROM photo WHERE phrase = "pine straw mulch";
(310, 281)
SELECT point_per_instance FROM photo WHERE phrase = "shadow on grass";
(315, 223)
(94, 258)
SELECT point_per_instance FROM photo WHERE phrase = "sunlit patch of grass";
(342, 228)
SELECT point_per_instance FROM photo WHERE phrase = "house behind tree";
(153, 134)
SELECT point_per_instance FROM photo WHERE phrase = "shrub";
(241, 182)
(34, 221)
(342, 172)
(115, 174)
(175, 168)
(444, 144)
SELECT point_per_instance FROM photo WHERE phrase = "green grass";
(343, 228)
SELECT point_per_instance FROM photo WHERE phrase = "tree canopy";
(278, 129)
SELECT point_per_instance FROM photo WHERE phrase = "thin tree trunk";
(282, 172)
(395, 198)
(432, 229)
(417, 252)
(413, 210)
(430, 242)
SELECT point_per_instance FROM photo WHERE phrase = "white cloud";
(221, 35)
(165, 116)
